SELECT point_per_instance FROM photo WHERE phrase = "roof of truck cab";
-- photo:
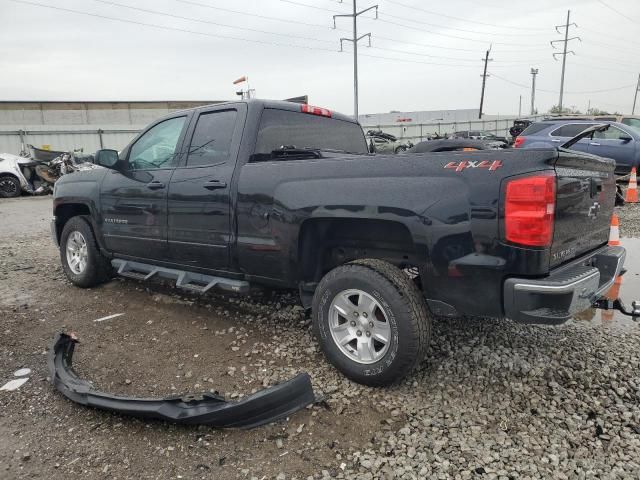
(275, 104)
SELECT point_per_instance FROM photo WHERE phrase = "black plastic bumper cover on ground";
(261, 408)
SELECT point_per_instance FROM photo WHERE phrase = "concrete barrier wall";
(64, 139)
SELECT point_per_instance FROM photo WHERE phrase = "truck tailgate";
(586, 190)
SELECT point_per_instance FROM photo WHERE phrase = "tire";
(399, 302)
(9, 186)
(96, 268)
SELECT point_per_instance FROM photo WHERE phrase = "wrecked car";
(382, 142)
(286, 195)
(265, 406)
(18, 174)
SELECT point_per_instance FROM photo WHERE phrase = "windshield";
(279, 128)
(632, 122)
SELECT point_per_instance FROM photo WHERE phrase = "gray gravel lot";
(493, 400)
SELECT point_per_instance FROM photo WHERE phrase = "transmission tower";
(355, 41)
(564, 52)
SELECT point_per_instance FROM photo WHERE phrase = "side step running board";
(195, 282)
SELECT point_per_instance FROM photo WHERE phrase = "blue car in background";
(620, 142)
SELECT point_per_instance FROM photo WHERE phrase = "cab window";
(157, 147)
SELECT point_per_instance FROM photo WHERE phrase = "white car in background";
(16, 174)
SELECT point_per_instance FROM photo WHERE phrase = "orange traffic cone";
(614, 232)
(632, 189)
(612, 294)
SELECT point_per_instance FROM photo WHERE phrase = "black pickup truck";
(286, 195)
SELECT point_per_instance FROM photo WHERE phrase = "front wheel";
(9, 186)
(371, 321)
(82, 262)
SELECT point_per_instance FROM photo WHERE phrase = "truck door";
(200, 216)
(134, 198)
(614, 143)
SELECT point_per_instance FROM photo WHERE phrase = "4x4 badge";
(460, 166)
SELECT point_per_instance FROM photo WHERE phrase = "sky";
(424, 55)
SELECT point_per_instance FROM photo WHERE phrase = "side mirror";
(626, 139)
(107, 158)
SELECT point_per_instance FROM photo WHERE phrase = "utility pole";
(484, 80)
(534, 72)
(520, 106)
(635, 96)
(355, 41)
(564, 52)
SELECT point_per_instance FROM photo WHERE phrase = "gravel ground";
(629, 216)
(493, 400)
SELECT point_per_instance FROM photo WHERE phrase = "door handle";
(155, 185)
(595, 144)
(556, 140)
(215, 184)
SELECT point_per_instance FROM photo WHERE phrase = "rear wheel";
(371, 321)
(9, 186)
(82, 262)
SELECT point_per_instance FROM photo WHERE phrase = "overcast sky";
(425, 55)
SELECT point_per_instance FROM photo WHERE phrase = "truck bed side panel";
(452, 213)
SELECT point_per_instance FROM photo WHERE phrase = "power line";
(595, 67)
(316, 25)
(164, 27)
(422, 30)
(226, 37)
(461, 19)
(255, 15)
(457, 37)
(601, 2)
(208, 22)
(421, 22)
(609, 36)
(585, 92)
(156, 12)
(198, 20)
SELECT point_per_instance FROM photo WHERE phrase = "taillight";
(517, 143)
(323, 112)
(530, 204)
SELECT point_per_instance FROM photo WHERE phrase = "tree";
(597, 111)
(565, 110)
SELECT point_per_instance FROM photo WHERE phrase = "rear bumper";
(568, 290)
(265, 406)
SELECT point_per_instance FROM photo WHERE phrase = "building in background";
(88, 125)
(417, 126)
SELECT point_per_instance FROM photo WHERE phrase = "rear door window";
(284, 128)
(570, 130)
(211, 140)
